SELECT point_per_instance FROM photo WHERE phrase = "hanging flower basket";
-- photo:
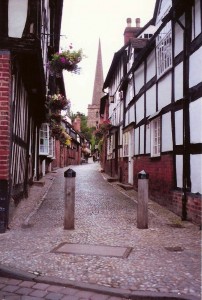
(65, 139)
(58, 102)
(65, 60)
(56, 130)
(105, 126)
(55, 117)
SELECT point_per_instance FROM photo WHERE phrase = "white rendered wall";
(196, 167)
(197, 17)
(132, 114)
(140, 109)
(151, 101)
(178, 39)
(17, 16)
(195, 65)
(164, 91)
(142, 139)
(179, 127)
(195, 112)
(167, 140)
(179, 169)
(137, 141)
(139, 78)
(151, 66)
(178, 82)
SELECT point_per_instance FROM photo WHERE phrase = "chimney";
(137, 20)
(129, 21)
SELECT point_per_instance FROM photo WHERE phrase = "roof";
(113, 66)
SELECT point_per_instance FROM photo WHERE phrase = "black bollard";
(69, 197)
(142, 204)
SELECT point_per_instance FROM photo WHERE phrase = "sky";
(84, 22)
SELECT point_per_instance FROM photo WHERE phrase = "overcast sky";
(83, 23)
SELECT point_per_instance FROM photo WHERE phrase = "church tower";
(94, 108)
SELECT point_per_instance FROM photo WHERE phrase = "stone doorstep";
(125, 186)
(112, 179)
(39, 183)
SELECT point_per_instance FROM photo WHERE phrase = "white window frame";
(164, 50)
(156, 137)
(126, 144)
(51, 147)
(44, 134)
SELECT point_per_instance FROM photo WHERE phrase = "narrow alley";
(105, 249)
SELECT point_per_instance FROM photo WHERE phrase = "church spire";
(94, 108)
(98, 81)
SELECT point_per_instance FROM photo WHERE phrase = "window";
(125, 144)
(52, 147)
(44, 139)
(155, 137)
(109, 147)
(164, 50)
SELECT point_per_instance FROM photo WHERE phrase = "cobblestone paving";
(163, 258)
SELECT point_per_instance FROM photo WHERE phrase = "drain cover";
(97, 250)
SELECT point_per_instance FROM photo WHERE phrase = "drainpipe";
(185, 127)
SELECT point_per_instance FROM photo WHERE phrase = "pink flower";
(63, 60)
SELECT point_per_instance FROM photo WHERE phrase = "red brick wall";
(123, 170)
(5, 79)
(161, 186)
(161, 175)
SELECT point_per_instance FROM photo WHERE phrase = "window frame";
(164, 55)
(44, 133)
(155, 137)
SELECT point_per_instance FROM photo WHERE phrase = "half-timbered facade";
(29, 34)
(162, 110)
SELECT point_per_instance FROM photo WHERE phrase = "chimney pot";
(129, 21)
(137, 22)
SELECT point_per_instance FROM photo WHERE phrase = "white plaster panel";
(148, 145)
(179, 127)
(126, 118)
(179, 33)
(132, 114)
(195, 62)
(197, 17)
(136, 141)
(167, 141)
(17, 15)
(196, 167)
(139, 78)
(164, 91)
(142, 139)
(151, 101)
(179, 168)
(195, 112)
(151, 66)
(178, 82)
(140, 109)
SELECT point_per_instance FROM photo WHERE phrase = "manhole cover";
(176, 225)
(174, 249)
(97, 250)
